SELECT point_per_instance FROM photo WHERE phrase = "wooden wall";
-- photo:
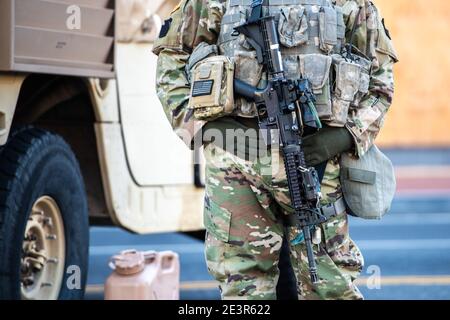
(420, 115)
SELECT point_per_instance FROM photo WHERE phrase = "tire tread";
(15, 173)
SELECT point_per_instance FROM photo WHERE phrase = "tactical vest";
(311, 34)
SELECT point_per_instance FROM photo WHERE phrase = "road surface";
(409, 249)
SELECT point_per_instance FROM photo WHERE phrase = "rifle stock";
(245, 90)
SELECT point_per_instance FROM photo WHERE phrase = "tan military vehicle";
(83, 139)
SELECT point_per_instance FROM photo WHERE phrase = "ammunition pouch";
(328, 29)
(347, 84)
(352, 79)
(364, 80)
(248, 70)
(316, 68)
(368, 184)
(212, 94)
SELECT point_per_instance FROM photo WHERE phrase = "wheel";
(44, 229)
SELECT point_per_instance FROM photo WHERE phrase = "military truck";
(83, 139)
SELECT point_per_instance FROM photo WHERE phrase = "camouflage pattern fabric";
(199, 21)
(243, 202)
(193, 22)
(243, 206)
(372, 38)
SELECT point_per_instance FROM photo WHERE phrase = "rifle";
(286, 107)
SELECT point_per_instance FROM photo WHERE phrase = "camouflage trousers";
(243, 206)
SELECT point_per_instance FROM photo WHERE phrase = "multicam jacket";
(205, 21)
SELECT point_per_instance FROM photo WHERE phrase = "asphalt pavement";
(407, 254)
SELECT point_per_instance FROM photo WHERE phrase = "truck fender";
(10, 85)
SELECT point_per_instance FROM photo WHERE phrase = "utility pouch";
(316, 68)
(247, 69)
(364, 80)
(340, 31)
(293, 26)
(328, 29)
(212, 88)
(348, 75)
(202, 51)
(368, 184)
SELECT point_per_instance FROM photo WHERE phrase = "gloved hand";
(218, 132)
(326, 144)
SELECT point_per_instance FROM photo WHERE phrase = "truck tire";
(44, 228)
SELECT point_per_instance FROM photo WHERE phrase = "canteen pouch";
(316, 68)
(293, 26)
(212, 88)
(368, 184)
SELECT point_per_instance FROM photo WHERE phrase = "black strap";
(330, 211)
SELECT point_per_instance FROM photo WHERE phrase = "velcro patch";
(202, 88)
(362, 176)
(165, 28)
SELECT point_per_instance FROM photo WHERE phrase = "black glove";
(326, 144)
(246, 149)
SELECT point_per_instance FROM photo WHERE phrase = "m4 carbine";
(285, 107)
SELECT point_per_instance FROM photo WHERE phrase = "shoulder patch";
(165, 28)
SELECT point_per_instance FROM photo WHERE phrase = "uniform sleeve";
(193, 22)
(372, 38)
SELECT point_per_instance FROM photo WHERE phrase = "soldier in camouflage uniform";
(246, 199)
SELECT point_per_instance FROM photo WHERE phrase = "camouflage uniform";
(244, 203)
